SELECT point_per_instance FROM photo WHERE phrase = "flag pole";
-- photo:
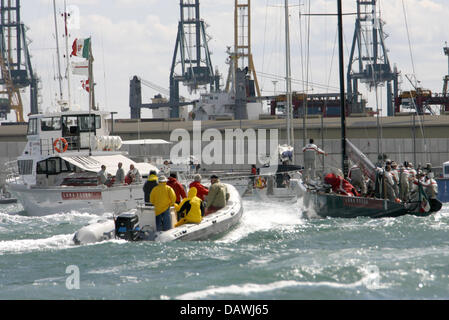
(69, 96)
(91, 95)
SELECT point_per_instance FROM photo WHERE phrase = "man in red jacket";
(202, 191)
(177, 187)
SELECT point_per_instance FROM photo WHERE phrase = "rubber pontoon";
(141, 225)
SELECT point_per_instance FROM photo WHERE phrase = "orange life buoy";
(64, 145)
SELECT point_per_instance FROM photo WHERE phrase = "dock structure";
(408, 137)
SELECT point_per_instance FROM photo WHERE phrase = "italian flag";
(81, 48)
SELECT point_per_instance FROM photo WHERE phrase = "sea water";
(273, 253)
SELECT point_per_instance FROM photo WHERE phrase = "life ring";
(65, 145)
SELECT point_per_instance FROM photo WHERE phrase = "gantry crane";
(242, 56)
(15, 62)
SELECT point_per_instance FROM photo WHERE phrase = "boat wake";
(263, 217)
(56, 231)
(368, 280)
(57, 242)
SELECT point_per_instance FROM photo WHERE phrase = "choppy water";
(272, 254)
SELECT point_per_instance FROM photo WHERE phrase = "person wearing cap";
(163, 197)
(202, 191)
(151, 182)
(217, 197)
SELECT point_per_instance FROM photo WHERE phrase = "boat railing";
(48, 146)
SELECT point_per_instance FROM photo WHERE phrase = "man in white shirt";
(357, 179)
(310, 151)
(102, 175)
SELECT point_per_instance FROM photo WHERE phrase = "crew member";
(202, 191)
(389, 184)
(102, 175)
(177, 187)
(404, 182)
(310, 151)
(151, 182)
(120, 175)
(340, 185)
(395, 176)
(217, 197)
(191, 209)
(357, 179)
(133, 175)
(163, 197)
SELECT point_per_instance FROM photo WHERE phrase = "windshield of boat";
(80, 123)
(51, 124)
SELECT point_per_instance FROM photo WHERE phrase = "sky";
(137, 37)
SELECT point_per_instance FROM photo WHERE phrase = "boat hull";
(96, 200)
(211, 226)
(443, 189)
(326, 205)
(8, 201)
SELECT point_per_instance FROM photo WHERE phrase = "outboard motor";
(127, 227)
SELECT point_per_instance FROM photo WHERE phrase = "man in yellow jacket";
(163, 197)
(192, 207)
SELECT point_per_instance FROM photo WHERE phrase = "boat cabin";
(56, 140)
(76, 128)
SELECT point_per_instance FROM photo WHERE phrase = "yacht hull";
(97, 200)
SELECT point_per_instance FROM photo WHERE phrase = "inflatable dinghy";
(140, 225)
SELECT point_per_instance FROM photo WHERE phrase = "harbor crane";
(15, 63)
(368, 61)
(191, 64)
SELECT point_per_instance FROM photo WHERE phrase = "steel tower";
(15, 62)
(368, 61)
(192, 54)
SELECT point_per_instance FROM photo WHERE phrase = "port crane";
(15, 63)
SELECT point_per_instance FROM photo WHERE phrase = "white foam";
(252, 288)
(29, 245)
(265, 216)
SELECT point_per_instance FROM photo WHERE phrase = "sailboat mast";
(57, 52)
(68, 71)
(288, 75)
(344, 164)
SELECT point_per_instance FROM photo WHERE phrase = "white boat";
(217, 105)
(140, 224)
(6, 198)
(284, 184)
(57, 171)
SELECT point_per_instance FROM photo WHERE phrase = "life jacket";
(192, 205)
